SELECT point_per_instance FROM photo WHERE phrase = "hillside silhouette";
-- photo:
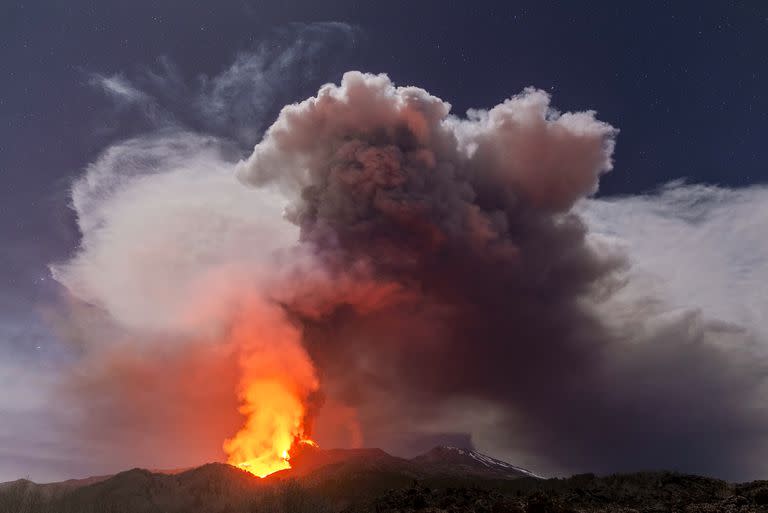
(445, 479)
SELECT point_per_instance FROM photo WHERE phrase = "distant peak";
(451, 455)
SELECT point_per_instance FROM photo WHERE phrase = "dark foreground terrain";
(370, 480)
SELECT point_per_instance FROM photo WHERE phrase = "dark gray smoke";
(503, 297)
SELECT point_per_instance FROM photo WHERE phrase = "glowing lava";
(277, 381)
(274, 424)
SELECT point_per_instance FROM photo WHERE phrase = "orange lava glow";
(274, 424)
(277, 380)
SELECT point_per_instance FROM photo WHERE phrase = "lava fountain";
(278, 379)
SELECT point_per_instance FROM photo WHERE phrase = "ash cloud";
(504, 297)
(445, 273)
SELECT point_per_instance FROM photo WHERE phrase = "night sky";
(684, 82)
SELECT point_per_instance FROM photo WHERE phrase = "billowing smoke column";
(439, 270)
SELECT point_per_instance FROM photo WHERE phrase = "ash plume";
(506, 299)
(439, 273)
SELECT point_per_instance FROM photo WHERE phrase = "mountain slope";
(457, 461)
(370, 480)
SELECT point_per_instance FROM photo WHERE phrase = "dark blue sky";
(685, 83)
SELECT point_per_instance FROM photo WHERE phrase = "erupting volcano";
(434, 271)
(274, 427)
(277, 381)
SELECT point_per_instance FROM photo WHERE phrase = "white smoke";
(159, 217)
(695, 247)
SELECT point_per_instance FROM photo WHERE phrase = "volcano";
(368, 467)
(341, 477)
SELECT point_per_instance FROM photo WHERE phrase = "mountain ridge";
(340, 477)
(442, 480)
(311, 459)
